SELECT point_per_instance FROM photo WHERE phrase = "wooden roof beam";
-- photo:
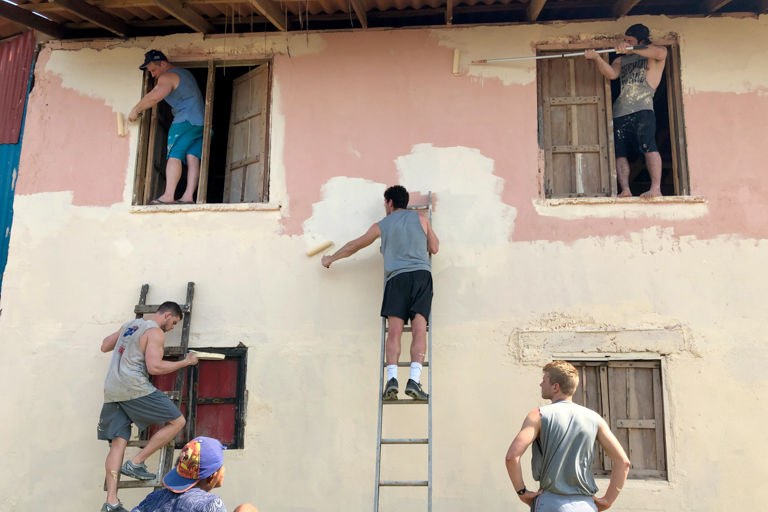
(449, 12)
(96, 16)
(622, 7)
(190, 18)
(32, 20)
(269, 10)
(357, 5)
(534, 9)
(714, 5)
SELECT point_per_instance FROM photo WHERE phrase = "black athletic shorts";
(407, 295)
(635, 132)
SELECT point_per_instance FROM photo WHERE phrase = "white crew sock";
(391, 371)
(415, 372)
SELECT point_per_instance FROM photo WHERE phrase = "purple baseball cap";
(199, 459)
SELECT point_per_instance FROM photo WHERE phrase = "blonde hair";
(563, 373)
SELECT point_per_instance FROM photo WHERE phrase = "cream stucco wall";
(688, 281)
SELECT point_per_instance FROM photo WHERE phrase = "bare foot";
(625, 193)
(651, 194)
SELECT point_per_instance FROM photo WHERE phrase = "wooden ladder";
(167, 451)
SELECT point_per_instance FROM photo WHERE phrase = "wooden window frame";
(190, 401)
(678, 141)
(605, 370)
(147, 123)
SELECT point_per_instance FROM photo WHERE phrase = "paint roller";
(319, 248)
(120, 124)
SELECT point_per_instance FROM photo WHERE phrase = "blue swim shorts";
(185, 139)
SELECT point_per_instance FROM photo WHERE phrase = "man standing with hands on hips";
(563, 436)
(634, 121)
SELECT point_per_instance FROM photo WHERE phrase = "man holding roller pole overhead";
(634, 122)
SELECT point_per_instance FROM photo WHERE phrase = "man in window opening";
(199, 470)
(563, 436)
(634, 122)
(129, 397)
(407, 240)
(185, 137)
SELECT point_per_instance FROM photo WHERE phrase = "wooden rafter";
(96, 16)
(31, 20)
(534, 9)
(449, 12)
(357, 5)
(271, 12)
(622, 7)
(714, 5)
(191, 18)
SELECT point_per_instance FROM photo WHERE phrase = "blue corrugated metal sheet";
(9, 169)
(15, 61)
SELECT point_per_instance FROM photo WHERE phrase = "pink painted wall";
(71, 143)
(380, 93)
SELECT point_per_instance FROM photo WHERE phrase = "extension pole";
(556, 55)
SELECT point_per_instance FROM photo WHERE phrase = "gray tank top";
(186, 100)
(128, 377)
(403, 243)
(562, 456)
(636, 92)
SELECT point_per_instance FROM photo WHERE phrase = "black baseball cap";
(639, 32)
(153, 56)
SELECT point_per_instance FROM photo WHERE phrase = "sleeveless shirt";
(186, 100)
(636, 92)
(403, 243)
(128, 377)
(562, 456)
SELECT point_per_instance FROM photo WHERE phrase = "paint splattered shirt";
(194, 500)
(636, 92)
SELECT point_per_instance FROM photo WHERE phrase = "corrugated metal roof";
(15, 63)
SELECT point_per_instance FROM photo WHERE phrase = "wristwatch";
(521, 491)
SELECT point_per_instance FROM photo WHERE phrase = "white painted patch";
(669, 208)
(470, 216)
(349, 206)
(43, 214)
(124, 247)
(278, 189)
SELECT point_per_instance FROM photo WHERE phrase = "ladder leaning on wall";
(427, 364)
(166, 452)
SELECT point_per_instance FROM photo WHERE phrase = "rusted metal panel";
(15, 64)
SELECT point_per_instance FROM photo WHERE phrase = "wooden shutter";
(676, 124)
(157, 153)
(246, 178)
(575, 128)
(628, 395)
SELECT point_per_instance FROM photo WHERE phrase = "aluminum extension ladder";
(427, 364)
(166, 462)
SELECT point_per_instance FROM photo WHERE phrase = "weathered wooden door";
(245, 178)
(576, 125)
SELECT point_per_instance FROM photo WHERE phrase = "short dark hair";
(170, 306)
(398, 195)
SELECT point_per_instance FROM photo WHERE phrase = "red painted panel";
(15, 64)
(217, 421)
(218, 379)
(167, 382)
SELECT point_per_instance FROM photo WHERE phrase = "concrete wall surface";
(351, 113)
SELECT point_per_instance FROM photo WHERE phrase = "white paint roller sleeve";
(120, 124)
(319, 248)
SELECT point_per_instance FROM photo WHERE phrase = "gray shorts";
(116, 417)
(550, 502)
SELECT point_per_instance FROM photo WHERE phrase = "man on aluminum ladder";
(407, 239)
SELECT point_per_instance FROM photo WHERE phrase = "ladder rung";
(405, 441)
(407, 328)
(404, 364)
(405, 402)
(403, 483)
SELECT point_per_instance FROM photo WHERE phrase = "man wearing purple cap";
(188, 486)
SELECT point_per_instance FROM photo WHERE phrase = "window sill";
(668, 207)
(219, 207)
(637, 483)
